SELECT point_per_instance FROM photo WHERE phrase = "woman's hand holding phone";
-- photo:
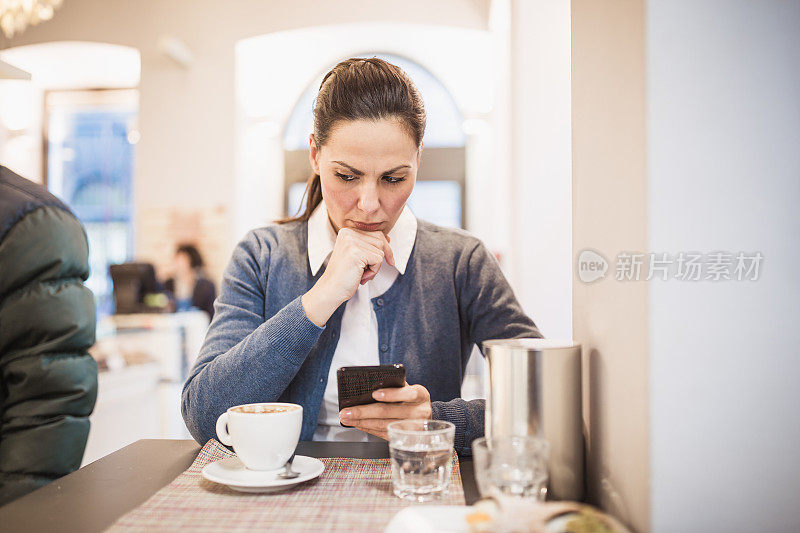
(356, 258)
(411, 401)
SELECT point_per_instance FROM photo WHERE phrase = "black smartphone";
(357, 383)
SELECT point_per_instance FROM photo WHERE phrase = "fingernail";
(347, 413)
(380, 394)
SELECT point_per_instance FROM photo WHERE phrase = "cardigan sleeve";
(489, 310)
(246, 357)
(490, 307)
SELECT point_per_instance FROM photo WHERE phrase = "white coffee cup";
(263, 435)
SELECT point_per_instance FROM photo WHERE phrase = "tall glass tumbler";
(421, 452)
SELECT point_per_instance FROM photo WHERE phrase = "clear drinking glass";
(511, 467)
(420, 453)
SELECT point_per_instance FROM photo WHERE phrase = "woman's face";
(183, 264)
(368, 170)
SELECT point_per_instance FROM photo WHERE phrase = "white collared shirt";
(358, 339)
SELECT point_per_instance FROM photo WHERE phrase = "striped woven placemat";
(350, 495)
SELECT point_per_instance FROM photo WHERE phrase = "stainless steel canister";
(534, 388)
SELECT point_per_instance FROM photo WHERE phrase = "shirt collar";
(322, 237)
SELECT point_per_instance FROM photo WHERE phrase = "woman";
(356, 279)
(189, 288)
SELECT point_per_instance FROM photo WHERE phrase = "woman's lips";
(367, 227)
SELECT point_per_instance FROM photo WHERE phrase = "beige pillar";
(609, 216)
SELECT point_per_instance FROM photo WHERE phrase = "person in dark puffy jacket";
(48, 380)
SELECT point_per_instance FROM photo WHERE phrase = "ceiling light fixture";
(16, 15)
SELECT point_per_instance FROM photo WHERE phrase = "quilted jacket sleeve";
(48, 381)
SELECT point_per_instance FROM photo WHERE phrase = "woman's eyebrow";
(359, 173)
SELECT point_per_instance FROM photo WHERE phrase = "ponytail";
(313, 196)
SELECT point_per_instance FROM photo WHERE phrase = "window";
(89, 142)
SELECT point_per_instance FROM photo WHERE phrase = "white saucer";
(232, 472)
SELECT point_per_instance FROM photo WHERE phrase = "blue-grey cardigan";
(261, 346)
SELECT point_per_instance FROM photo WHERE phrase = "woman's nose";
(368, 201)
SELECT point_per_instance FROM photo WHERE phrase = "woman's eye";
(393, 179)
(345, 177)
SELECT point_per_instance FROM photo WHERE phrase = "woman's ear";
(313, 153)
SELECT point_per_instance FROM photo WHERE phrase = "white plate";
(431, 519)
(453, 518)
(232, 472)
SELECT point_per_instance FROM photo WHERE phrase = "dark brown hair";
(362, 89)
(191, 251)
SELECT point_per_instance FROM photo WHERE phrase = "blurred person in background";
(48, 380)
(356, 279)
(189, 287)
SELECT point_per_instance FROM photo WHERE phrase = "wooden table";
(94, 497)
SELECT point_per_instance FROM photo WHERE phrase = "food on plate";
(510, 516)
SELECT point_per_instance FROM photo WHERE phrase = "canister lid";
(532, 344)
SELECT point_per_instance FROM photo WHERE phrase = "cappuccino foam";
(264, 409)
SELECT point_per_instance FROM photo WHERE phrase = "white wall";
(724, 174)
(541, 162)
